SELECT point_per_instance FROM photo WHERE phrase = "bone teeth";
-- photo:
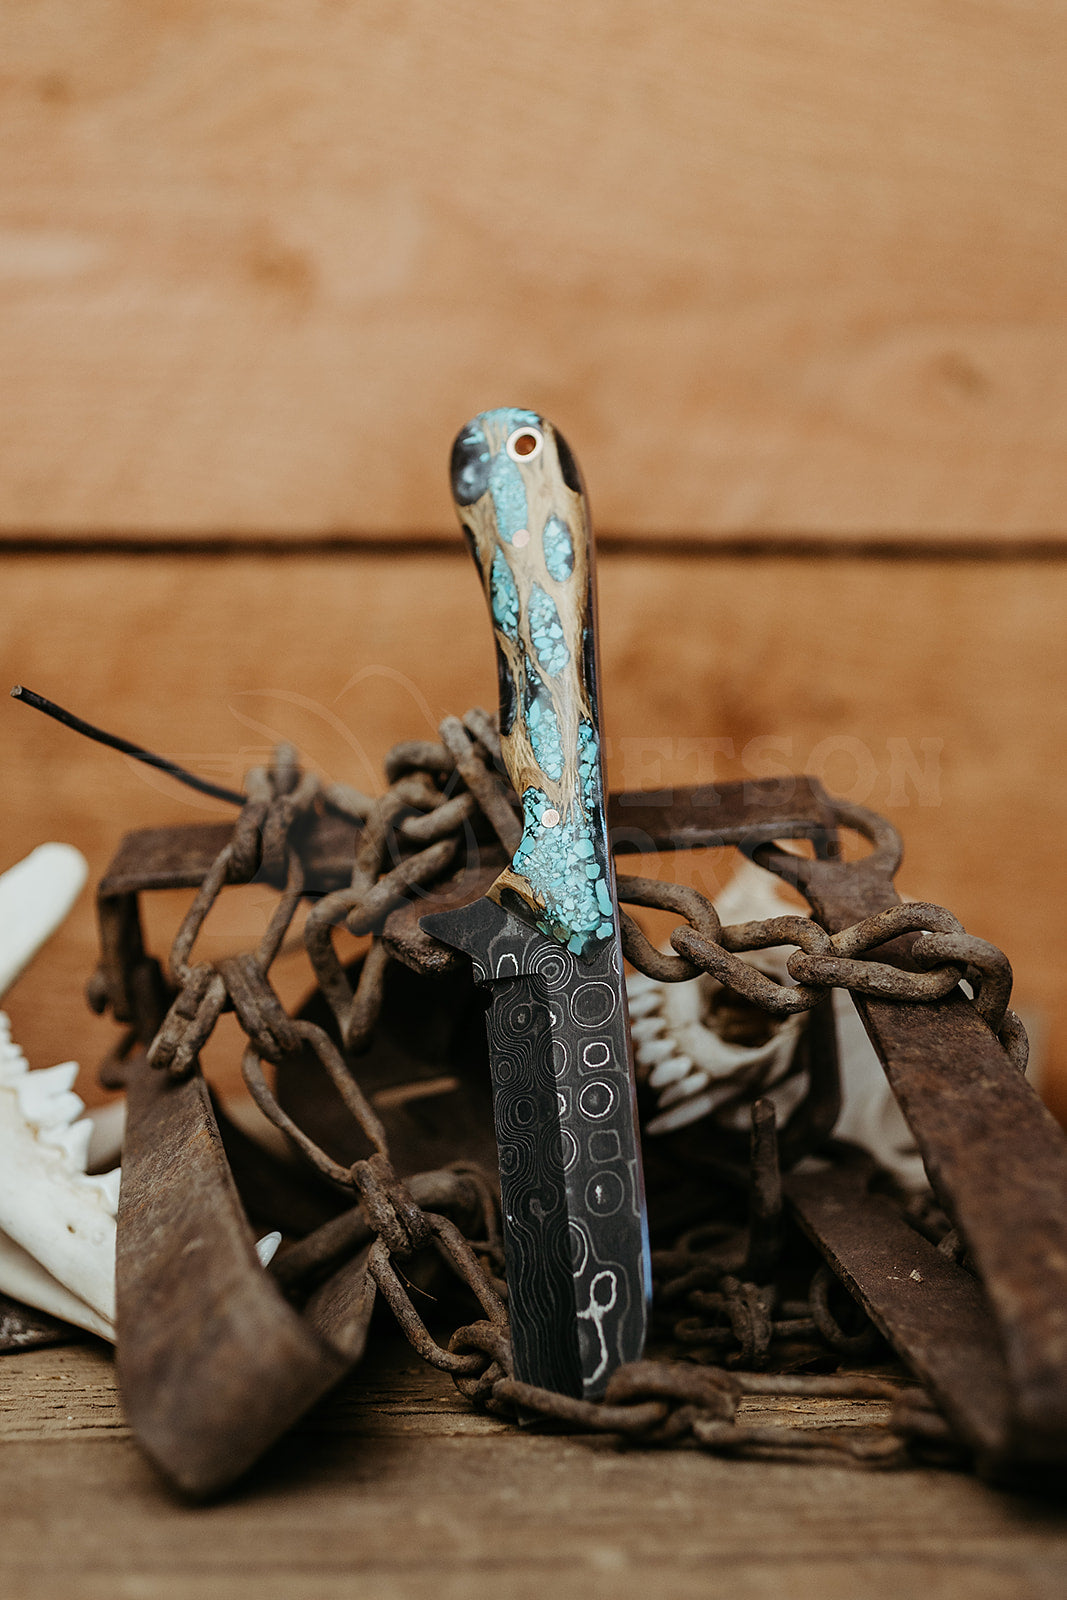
(74, 1140)
(12, 1061)
(267, 1247)
(667, 1072)
(649, 1051)
(643, 1003)
(646, 1028)
(637, 983)
(12, 1065)
(108, 1185)
(35, 896)
(45, 1097)
(50, 1208)
(680, 1116)
(683, 1089)
(57, 1227)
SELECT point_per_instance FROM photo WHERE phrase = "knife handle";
(519, 496)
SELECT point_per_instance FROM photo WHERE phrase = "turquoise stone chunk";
(508, 418)
(504, 596)
(542, 724)
(509, 495)
(589, 767)
(546, 631)
(565, 864)
(559, 549)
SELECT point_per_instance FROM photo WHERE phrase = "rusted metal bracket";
(994, 1155)
(213, 1362)
(934, 1314)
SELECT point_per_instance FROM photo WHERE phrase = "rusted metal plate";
(640, 820)
(645, 821)
(998, 1163)
(179, 857)
(406, 940)
(994, 1155)
(934, 1314)
(213, 1362)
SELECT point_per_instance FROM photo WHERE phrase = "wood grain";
(772, 268)
(394, 1487)
(929, 690)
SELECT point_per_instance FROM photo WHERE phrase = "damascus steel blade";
(575, 1233)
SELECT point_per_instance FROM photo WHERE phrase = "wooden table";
(394, 1488)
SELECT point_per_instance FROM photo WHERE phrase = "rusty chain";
(943, 951)
(716, 1296)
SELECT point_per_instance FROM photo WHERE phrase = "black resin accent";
(471, 543)
(589, 667)
(567, 464)
(470, 466)
(509, 700)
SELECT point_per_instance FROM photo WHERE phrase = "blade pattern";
(575, 1231)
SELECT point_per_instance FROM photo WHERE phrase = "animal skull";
(681, 1051)
(57, 1224)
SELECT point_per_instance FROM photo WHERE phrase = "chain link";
(716, 1299)
(824, 961)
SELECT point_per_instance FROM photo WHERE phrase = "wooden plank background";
(774, 268)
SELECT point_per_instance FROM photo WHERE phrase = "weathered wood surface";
(770, 267)
(394, 1486)
(850, 669)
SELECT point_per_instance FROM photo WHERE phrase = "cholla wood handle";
(519, 498)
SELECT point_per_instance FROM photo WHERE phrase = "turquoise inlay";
(559, 549)
(543, 726)
(546, 631)
(508, 418)
(503, 596)
(589, 766)
(505, 479)
(565, 865)
(509, 495)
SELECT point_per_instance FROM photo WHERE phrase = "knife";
(545, 938)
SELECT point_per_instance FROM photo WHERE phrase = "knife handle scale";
(519, 497)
